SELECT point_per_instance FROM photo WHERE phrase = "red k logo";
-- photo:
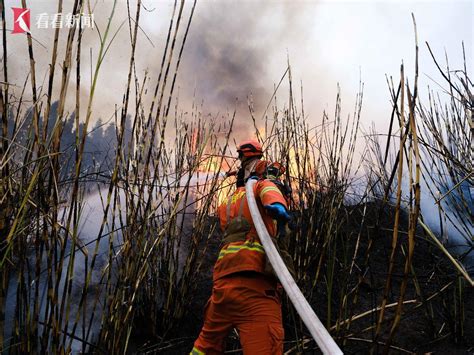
(21, 20)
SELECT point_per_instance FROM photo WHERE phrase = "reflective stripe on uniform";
(232, 249)
(196, 351)
(269, 188)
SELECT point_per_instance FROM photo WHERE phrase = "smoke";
(225, 62)
(234, 54)
(239, 49)
(230, 56)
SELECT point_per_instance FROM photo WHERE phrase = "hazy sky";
(240, 47)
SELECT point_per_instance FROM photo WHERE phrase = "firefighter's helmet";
(250, 148)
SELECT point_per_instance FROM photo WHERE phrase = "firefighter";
(244, 295)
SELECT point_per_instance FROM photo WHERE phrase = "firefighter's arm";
(275, 204)
(273, 200)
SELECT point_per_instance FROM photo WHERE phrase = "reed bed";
(62, 292)
(364, 256)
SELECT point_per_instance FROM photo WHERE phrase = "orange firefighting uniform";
(243, 297)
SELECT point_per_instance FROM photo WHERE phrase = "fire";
(210, 166)
(215, 164)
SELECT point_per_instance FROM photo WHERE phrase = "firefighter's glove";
(278, 211)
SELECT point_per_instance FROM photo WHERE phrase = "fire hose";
(322, 337)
